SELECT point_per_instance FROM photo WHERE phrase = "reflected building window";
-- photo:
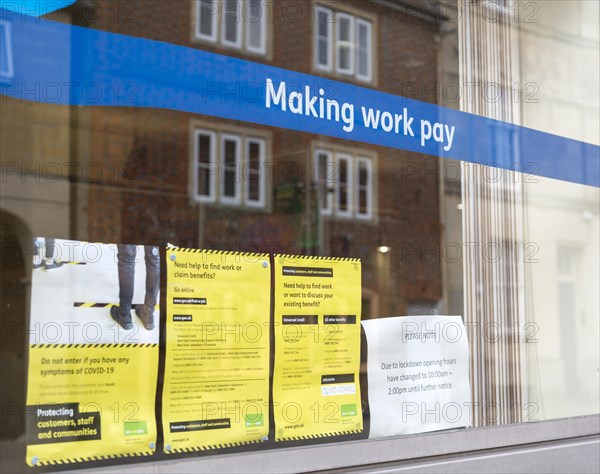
(343, 43)
(345, 183)
(239, 24)
(229, 168)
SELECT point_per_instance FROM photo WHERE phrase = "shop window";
(229, 169)
(343, 43)
(345, 183)
(240, 24)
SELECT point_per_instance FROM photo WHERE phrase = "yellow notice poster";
(316, 388)
(216, 385)
(92, 378)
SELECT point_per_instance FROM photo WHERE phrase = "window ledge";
(370, 452)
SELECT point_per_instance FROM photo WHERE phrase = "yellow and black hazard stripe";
(218, 252)
(101, 345)
(104, 457)
(319, 258)
(318, 436)
(86, 304)
(210, 447)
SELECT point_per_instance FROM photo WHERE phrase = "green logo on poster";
(133, 428)
(349, 410)
(254, 420)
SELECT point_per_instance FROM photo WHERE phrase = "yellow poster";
(216, 385)
(93, 352)
(316, 389)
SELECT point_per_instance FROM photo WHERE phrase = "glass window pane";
(323, 38)
(344, 25)
(204, 149)
(231, 23)
(254, 171)
(207, 14)
(255, 18)
(345, 46)
(230, 169)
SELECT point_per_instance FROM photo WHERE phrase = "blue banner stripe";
(70, 65)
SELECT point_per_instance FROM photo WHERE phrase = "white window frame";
(211, 197)
(324, 182)
(214, 23)
(369, 188)
(7, 45)
(236, 199)
(238, 24)
(329, 39)
(348, 213)
(348, 44)
(331, 180)
(335, 43)
(243, 140)
(260, 203)
(369, 25)
(262, 49)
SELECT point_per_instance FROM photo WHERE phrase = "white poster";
(418, 374)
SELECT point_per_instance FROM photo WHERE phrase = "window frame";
(329, 39)
(262, 49)
(211, 197)
(244, 137)
(333, 152)
(369, 188)
(238, 24)
(369, 25)
(349, 212)
(357, 20)
(236, 199)
(260, 203)
(214, 22)
(350, 44)
(323, 182)
(242, 28)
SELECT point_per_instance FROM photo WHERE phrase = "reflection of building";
(199, 181)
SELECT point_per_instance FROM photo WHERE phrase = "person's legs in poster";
(44, 254)
(146, 311)
(126, 265)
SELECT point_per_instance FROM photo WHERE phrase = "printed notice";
(418, 374)
(216, 386)
(316, 388)
(93, 352)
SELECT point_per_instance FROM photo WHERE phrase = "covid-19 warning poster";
(93, 351)
(316, 388)
(216, 385)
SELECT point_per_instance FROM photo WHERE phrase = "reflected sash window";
(324, 171)
(254, 172)
(345, 44)
(323, 38)
(231, 23)
(230, 167)
(363, 188)
(363, 50)
(204, 187)
(206, 26)
(345, 40)
(344, 180)
(255, 16)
